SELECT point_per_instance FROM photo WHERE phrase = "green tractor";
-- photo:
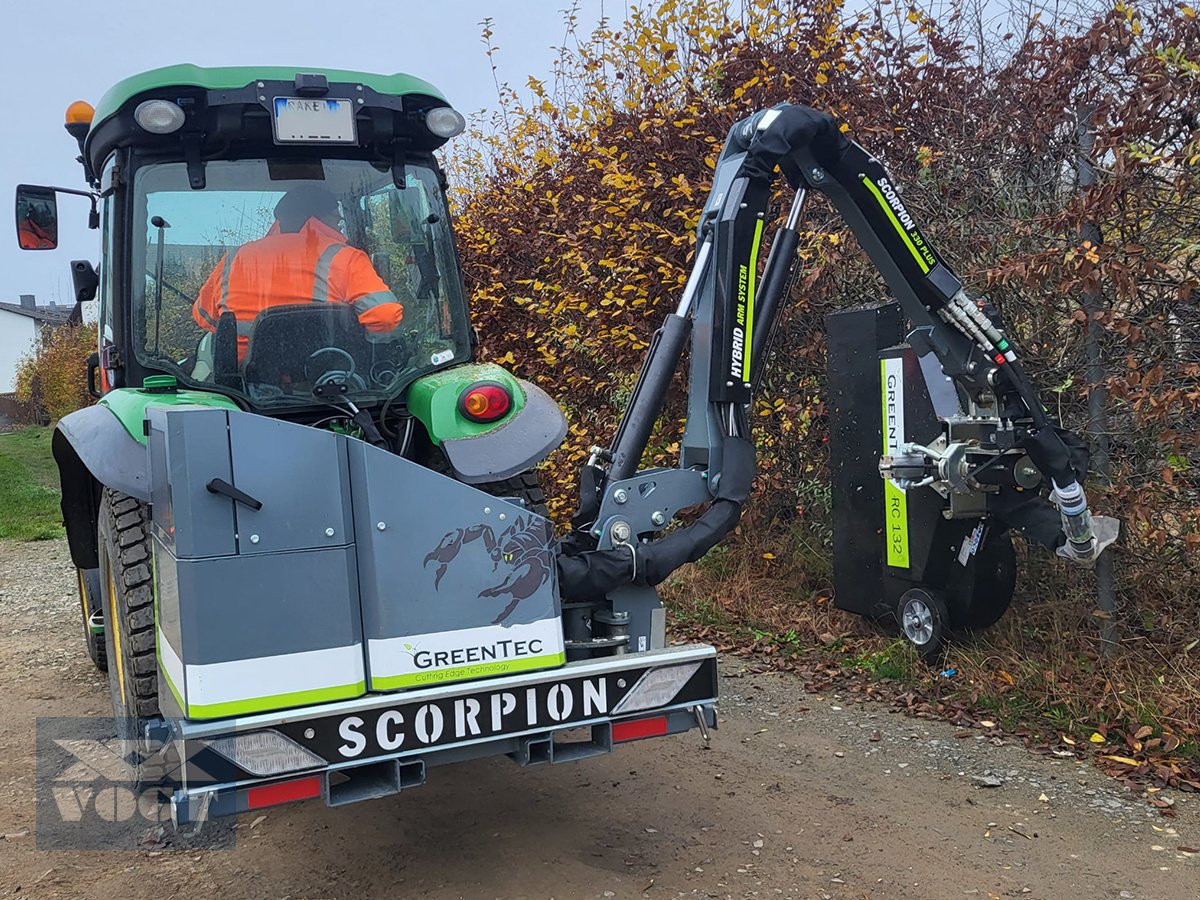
(309, 545)
(304, 518)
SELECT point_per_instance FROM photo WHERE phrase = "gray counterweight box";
(455, 583)
(360, 570)
(256, 609)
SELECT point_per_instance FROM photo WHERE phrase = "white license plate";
(309, 120)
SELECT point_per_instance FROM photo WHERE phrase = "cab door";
(105, 335)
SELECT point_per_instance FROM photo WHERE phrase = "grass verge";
(28, 486)
(1039, 674)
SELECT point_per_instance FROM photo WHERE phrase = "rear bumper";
(382, 744)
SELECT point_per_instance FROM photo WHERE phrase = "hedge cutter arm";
(728, 313)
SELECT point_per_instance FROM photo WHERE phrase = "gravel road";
(800, 796)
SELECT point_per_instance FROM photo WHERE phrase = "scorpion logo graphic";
(523, 545)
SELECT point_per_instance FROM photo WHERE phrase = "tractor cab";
(266, 233)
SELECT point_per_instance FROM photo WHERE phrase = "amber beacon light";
(79, 118)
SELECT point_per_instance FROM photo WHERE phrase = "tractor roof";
(232, 77)
(232, 105)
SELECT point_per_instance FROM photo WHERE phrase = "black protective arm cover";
(1065, 459)
(584, 574)
(1058, 453)
(588, 574)
(659, 559)
(793, 128)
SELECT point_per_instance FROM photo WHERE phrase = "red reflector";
(639, 728)
(284, 792)
(999, 357)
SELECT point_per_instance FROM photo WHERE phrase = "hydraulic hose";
(1076, 518)
(1024, 387)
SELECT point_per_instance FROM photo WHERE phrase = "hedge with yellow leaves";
(54, 377)
(577, 203)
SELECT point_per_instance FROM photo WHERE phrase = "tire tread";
(128, 521)
(525, 486)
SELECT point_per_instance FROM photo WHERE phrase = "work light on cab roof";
(159, 116)
(445, 122)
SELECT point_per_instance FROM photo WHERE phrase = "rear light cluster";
(485, 401)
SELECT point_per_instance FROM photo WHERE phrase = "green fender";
(487, 451)
(129, 404)
(105, 446)
(434, 400)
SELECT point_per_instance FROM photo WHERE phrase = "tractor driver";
(303, 258)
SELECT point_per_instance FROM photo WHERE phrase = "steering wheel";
(349, 374)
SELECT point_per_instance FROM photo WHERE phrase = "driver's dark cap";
(302, 203)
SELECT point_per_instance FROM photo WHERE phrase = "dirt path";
(800, 796)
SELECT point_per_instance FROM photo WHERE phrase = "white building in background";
(21, 328)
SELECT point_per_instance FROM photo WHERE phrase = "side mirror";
(37, 217)
(405, 225)
(381, 261)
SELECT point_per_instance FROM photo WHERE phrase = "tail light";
(635, 729)
(284, 792)
(485, 401)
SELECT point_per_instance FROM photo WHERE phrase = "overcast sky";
(56, 51)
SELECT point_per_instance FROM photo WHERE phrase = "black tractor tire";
(924, 621)
(126, 580)
(994, 583)
(91, 607)
(524, 487)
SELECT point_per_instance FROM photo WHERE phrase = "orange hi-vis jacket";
(31, 236)
(312, 265)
